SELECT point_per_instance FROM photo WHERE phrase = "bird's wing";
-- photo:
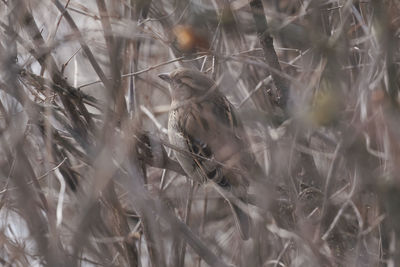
(214, 138)
(212, 133)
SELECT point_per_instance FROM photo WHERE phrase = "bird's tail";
(242, 218)
(242, 221)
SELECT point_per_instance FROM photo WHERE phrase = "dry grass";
(87, 174)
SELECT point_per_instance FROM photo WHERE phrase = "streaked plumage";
(203, 122)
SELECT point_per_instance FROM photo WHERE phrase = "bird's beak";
(165, 77)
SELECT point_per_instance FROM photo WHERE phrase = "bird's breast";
(177, 139)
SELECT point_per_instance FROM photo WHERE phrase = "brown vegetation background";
(87, 177)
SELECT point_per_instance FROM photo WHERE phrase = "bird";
(209, 139)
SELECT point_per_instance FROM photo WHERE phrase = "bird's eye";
(178, 81)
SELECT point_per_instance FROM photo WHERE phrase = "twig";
(188, 209)
(271, 57)
(84, 46)
(38, 178)
(149, 68)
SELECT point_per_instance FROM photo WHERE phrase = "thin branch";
(271, 57)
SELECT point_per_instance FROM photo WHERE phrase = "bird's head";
(187, 83)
